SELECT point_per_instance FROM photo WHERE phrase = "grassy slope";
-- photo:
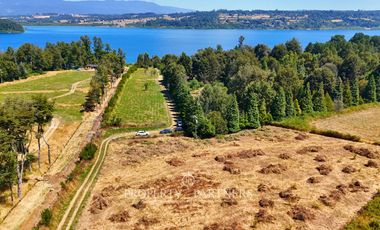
(62, 81)
(68, 108)
(140, 108)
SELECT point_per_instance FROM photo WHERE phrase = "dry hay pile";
(224, 226)
(266, 203)
(371, 164)
(167, 186)
(333, 198)
(361, 151)
(228, 201)
(349, 169)
(301, 137)
(263, 188)
(289, 196)
(231, 168)
(314, 180)
(120, 217)
(310, 149)
(274, 168)
(201, 154)
(301, 213)
(284, 156)
(324, 169)
(320, 158)
(264, 217)
(145, 223)
(98, 203)
(139, 205)
(175, 162)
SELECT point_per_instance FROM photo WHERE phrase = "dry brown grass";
(201, 195)
(365, 124)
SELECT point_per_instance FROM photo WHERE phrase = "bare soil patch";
(199, 194)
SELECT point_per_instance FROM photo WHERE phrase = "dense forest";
(8, 26)
(223, 91)
(29, 59)
(23, 119)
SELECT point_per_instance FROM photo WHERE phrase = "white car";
(142, 134)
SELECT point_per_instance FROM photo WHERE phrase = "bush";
(46, 216)
(88, 152)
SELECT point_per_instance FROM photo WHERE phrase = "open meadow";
(271, 178)
(141, 103)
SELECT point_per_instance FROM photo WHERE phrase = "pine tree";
(306, 100)
(290, 111)
(347, 95)
(297, 108)
(253, 116)
(232, 116)
(355, 92)
(265, 117)
(319, 99)
(279, 105)
(371, 89)
(377, 88)
(338, 92)
(329, 103)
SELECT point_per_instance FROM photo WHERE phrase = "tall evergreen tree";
(290, 110)
(253, 116)
(297, 108)
(306, 100)
(377, 79)
(233, 116)
(338, 91)
(319, 99)
(347, 95)
(329, 103)
(371, 89)
(265, 117)
(279, 105)
(355, 92)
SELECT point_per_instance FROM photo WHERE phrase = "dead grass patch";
(361, 151)
(120, 217)
(324, 169)
(274, 168)
(301, 213)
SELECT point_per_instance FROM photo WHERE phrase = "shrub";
(46, 216)
(88, 152)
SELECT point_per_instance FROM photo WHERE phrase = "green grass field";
(68, 107)
(62, 81)
(141, 103)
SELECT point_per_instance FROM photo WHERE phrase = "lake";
(163, 41)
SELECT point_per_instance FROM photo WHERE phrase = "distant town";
(221, 19)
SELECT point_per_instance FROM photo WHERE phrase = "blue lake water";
(163, 41)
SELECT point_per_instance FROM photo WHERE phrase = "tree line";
(29, 59)
(21, 121)
(8, 26)
(223, 91)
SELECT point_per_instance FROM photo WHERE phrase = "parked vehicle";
(179, 123)
(142, 134)
(166, 131)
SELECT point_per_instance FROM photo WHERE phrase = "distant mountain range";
(31, 7)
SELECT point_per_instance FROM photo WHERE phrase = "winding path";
(72, 90)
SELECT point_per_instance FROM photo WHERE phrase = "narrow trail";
(72, 90)
(68, 220)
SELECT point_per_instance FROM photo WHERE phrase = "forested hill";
(8, 26)
(259, 19)
(221, 19)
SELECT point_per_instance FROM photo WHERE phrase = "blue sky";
(273, 4)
